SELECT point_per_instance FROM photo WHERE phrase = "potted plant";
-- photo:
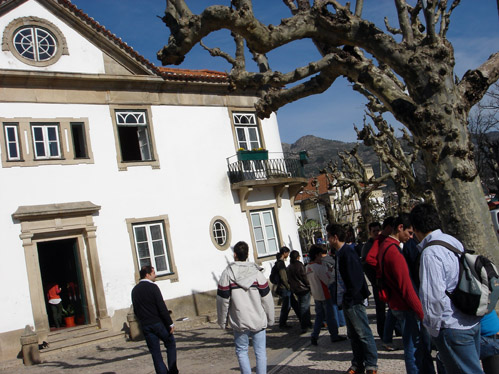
(254, 154)
(69, 315)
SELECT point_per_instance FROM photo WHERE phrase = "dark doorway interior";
(59, 263)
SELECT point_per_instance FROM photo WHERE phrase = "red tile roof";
(166, 73)
(310, 190)
(189, 75)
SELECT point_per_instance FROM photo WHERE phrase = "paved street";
(207, 349)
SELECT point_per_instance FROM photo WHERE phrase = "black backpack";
(477, 289)
(274, 277)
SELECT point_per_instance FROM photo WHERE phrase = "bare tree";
(409, 69)
(484, 128)
(397, 157)
(351, 174)
(307, 231)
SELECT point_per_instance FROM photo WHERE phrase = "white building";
(109, 163)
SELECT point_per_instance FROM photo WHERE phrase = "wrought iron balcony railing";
(278, 165)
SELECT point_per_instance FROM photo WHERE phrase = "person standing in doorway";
(154, 317)
(55, 302)
(245, 302)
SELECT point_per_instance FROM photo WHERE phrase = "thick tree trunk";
(457, 187)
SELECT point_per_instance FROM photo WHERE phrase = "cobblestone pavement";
(209, 350)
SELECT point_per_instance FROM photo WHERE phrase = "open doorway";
(60, 265)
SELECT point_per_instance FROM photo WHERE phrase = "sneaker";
(389, 347)
(354, 370)
(314, 341)
(285, 326)
(339, 338)
(371, 371)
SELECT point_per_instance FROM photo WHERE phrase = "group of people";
(412, 273)
(409, 274)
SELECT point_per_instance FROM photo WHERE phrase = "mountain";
(321, 151)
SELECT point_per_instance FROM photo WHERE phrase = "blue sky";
(474, 32)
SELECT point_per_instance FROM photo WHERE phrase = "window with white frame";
(133, 134)
(35, 43)
(46, 141)
(27, 141)
(220, 232)
(12, 142)
(265, 233)
(151, 246)
(246, 128)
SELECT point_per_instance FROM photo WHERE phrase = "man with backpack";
(402, 298)
(455, 334)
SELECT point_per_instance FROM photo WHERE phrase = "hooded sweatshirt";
(244, 299)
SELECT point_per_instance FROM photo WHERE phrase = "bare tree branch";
(405, 25)
(475, 83)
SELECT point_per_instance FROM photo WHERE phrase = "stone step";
(73, 338)
(188, 323)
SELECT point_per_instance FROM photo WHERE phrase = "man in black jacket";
(365, 355)
(284, 290)
(151, 311)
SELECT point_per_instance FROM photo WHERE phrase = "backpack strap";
(383, 261)
(444, 244)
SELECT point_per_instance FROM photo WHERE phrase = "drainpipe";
(320, 219)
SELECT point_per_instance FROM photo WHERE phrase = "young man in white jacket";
(245, 302)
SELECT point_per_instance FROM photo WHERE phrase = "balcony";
(278, 170)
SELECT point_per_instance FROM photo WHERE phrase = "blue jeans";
(288, 302)
(339, 316)
(304, 304)
(365, 355)
(324, 310)
(417, 355)
(489, 346)
(241, 338)
(459, 350)
(153, 334)
(391, 324)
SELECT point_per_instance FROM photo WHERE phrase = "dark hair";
(350, 237)
(241, 250)
(284, 250)
(278, 256)
(324, 249)
(388, 221)
(338, 230)
(374, 224)
(314, 252)
(293, 256)
(144, 270)
(402, 219)
(424, 218)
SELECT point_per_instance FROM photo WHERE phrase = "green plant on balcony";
(254, 154)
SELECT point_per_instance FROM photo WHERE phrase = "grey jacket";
(244, 299)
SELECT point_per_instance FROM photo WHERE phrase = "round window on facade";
(220, 233)
(34, 41)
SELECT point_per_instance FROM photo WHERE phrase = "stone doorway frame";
(41, 223)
